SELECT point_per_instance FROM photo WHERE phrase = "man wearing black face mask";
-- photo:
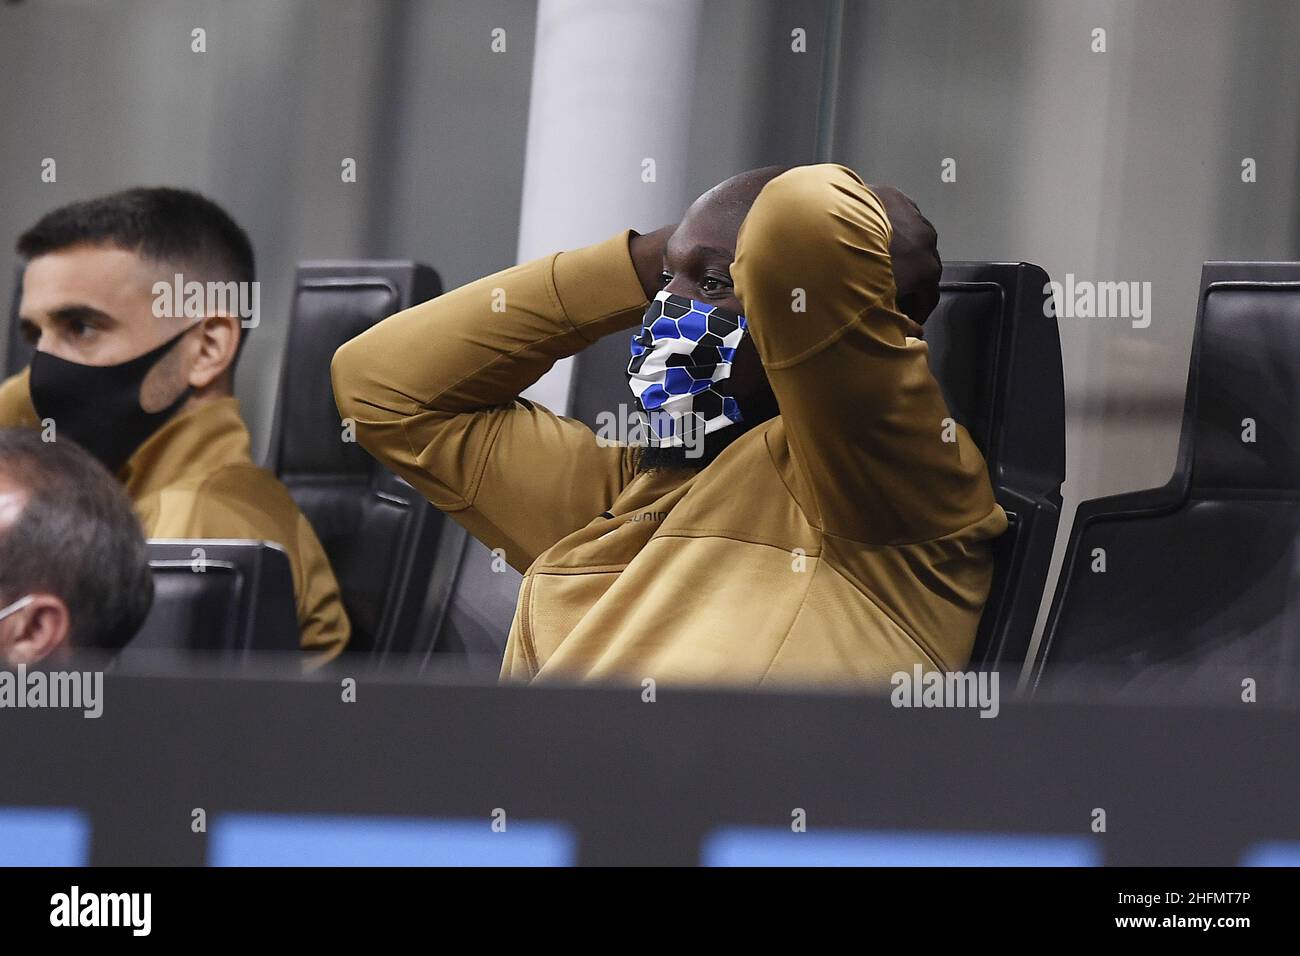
(835, 528)
(135, 303)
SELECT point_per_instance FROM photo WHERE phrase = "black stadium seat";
(1204, 572)
(380, 534)
(218, 596)
(17, 352)
(997, 358)
(481, 594)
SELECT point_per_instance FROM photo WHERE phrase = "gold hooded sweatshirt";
(838, 543)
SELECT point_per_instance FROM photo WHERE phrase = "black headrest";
(17, 352)
(997, 358)
(333, 302)
(962, 334)
(1244, 381)
(219, 595)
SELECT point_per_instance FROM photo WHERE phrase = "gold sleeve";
(878, 459)
(434, 393)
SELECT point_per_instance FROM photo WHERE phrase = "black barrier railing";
(634, 781)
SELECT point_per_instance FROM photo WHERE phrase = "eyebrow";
(704, 250)
(74, 313)
(714, 250)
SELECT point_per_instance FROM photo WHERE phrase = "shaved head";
(726, 204)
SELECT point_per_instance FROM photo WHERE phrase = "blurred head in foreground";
(73, 571)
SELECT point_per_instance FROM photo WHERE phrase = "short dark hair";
(159, 223)
(77, 536)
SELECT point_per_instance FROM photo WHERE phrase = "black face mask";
(98, 406)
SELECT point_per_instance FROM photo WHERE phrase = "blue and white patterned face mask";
(681, 360)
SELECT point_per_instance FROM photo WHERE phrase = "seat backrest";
(219, 596)
(480, 605)
(996, 352)
(1203, 572)
(1246, 366)
(380, 534)
(17, 352)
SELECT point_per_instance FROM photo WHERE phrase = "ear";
(38, 631)
(218, 344)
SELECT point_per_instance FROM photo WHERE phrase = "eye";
(79, 329)
(712, 284)
(665, 278)
(31, 332)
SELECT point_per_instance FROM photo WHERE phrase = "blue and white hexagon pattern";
(681, 360)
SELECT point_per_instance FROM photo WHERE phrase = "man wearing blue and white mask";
(797, 517)
(680, 371)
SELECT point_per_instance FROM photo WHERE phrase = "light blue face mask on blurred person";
(18, 605)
